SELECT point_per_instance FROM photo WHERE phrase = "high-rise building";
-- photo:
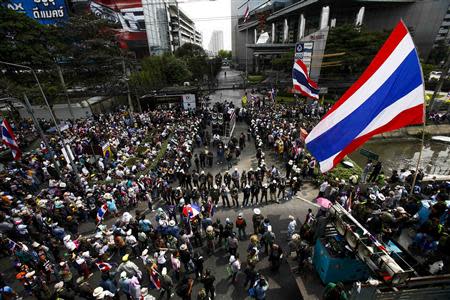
(216, 42)
(146, 26)
(284, 23)
(168, 27)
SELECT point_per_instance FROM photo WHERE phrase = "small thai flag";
(103, 267)
(301, 81)
(155, 279)
(101, 213)
(9, 139)
(191, 211)
(246, 14)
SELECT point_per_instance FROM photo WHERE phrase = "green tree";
(195, 58)
(158, 72)
(439, 53)
(224, 54)
(85, 47)
(284, 62)
(350, 50)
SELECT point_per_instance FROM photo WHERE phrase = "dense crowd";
(61, 227)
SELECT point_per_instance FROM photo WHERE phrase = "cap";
(257, 211)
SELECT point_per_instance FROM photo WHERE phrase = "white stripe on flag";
(374, 82)
(414, 98)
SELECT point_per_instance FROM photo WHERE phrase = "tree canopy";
(195, 58)
(350, 50)
(224, 54)
(84, 47)
(158, 72)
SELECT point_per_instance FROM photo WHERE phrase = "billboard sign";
(129, 15)
(46, 12)
(303, 51)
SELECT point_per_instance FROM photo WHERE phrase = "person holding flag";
(9, 140)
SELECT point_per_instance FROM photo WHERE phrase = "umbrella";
(323, 202)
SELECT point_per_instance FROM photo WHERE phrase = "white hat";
(372, 196)
(172, 223)
(97, 292)
(183, 247)
(240, 214)
(30, 274)
(164, 271)
(269, 228)
(145, 252)
(257, 211)
(129, 232)
(401, 210)
(291, 217)
(86, 254)
(123, 274)
(381, 197)
(59, 285)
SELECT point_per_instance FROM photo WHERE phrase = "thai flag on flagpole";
(388, 95)
(9, 139)
(301, 81)
(246, 14)
(101, 213)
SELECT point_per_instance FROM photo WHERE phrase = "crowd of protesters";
(166, 159)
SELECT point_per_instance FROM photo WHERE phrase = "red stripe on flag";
(410, 116)
(389, 46)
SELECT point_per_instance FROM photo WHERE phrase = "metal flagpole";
(246, 54)
(423, 128)
(64, 144)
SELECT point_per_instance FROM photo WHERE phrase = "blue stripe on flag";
(300, 77)
(404, 79)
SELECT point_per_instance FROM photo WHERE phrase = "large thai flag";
(301, 81)
(388, 95)
(101, 213)
(9, 140)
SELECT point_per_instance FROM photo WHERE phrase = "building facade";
(144, 26)
(285, 23)
(216, 42)
(168, 27)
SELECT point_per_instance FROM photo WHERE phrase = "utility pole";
(440, 83)
(66, 147)
(41, 133)
(246, 54)
(63, 83)
(125, 76)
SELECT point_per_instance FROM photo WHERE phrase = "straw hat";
(97, 292)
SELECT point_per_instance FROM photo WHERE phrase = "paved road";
(282, 283)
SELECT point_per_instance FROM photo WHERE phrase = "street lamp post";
(72, 163)
(41, 133)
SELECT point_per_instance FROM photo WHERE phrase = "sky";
(209, 16)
